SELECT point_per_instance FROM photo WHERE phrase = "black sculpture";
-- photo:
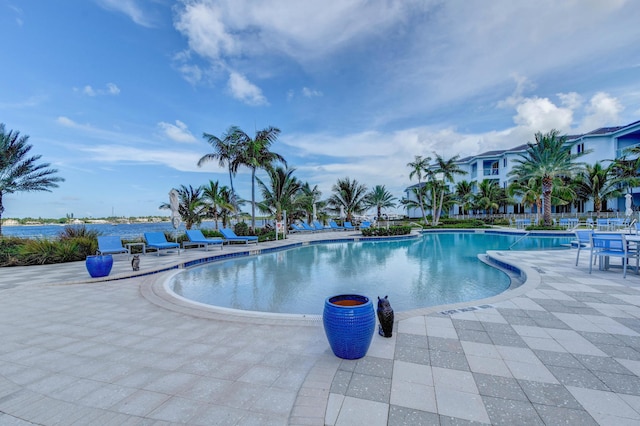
(135, 262)
(385, 316)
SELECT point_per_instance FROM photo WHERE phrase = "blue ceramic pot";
(99, 266)
(349, 322)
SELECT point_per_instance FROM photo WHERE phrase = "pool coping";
(156, 288)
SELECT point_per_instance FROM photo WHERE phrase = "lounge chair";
(349, 227)
(307, 227)
(296, 228)
(334, 226)
(365, 224)
(319, 226)
(158, 241)
(111, 245)
(604, 246)
(197, 238)
(231, 236)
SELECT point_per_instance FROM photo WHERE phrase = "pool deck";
(564, 348)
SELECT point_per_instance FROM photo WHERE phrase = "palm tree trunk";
(253, 199)
(546, 192)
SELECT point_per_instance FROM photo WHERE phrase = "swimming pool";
(435, 269)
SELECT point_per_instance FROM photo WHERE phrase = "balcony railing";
(491, 172)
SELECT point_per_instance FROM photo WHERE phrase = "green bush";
(241, 229)
(386, 232)
(77, 231)
(461, 223)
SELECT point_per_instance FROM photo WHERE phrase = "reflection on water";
(433, 270)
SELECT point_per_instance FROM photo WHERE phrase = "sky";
(116, 94)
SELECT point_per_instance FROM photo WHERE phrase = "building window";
(580, 147)
(504, 162)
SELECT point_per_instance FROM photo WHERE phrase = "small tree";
(19, 173)
(379, 198)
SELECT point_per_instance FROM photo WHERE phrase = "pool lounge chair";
(319, 226)
(230, 236)
(158, 241)
(307, 227)
(365, 224)
(111, 245)
(197, 238)
(335, 227)
(296, 228)
(349, 227)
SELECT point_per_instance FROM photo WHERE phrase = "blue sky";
(116, 94)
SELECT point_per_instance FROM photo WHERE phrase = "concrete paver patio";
(564, 348)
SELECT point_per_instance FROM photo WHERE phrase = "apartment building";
(605, 145)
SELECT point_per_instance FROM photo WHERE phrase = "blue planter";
(99, 266)
(349, 322)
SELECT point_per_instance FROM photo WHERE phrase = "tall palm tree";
(229, 206)
(214, 201)
(549, 157)
(256, 154)
(379, 198)
(19, 173)
(191, 207)
(446, 170)
(225, 151)
(464, 195)
(420, 168)
(282, 192)
(598, 183)
(348, 194)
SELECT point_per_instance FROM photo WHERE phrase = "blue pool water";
(435, 269)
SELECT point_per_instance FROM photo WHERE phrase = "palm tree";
(446, 169)
(464, 195)
(626, 171)
(225, 151)
(598, 183)
(191, 207)
(549, 157)
(490, 196)
(311, 198)
(420, 168)
(348, 194)
(282, 192)
(255, 154)
(379, 198)
(213, 199)
(19, 173)
(228, 206)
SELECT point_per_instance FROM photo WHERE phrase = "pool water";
(436, 269)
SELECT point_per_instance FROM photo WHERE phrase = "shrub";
(77, 231)
(241, 229)
(386, 232)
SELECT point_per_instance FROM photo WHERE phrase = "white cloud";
(110, 89)
(131, 8)
(245, 91)
(540, 114)
(88, 90)
(310, 93)
(571, 100)
(179, 160)
(603, 110)
(177, 132)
